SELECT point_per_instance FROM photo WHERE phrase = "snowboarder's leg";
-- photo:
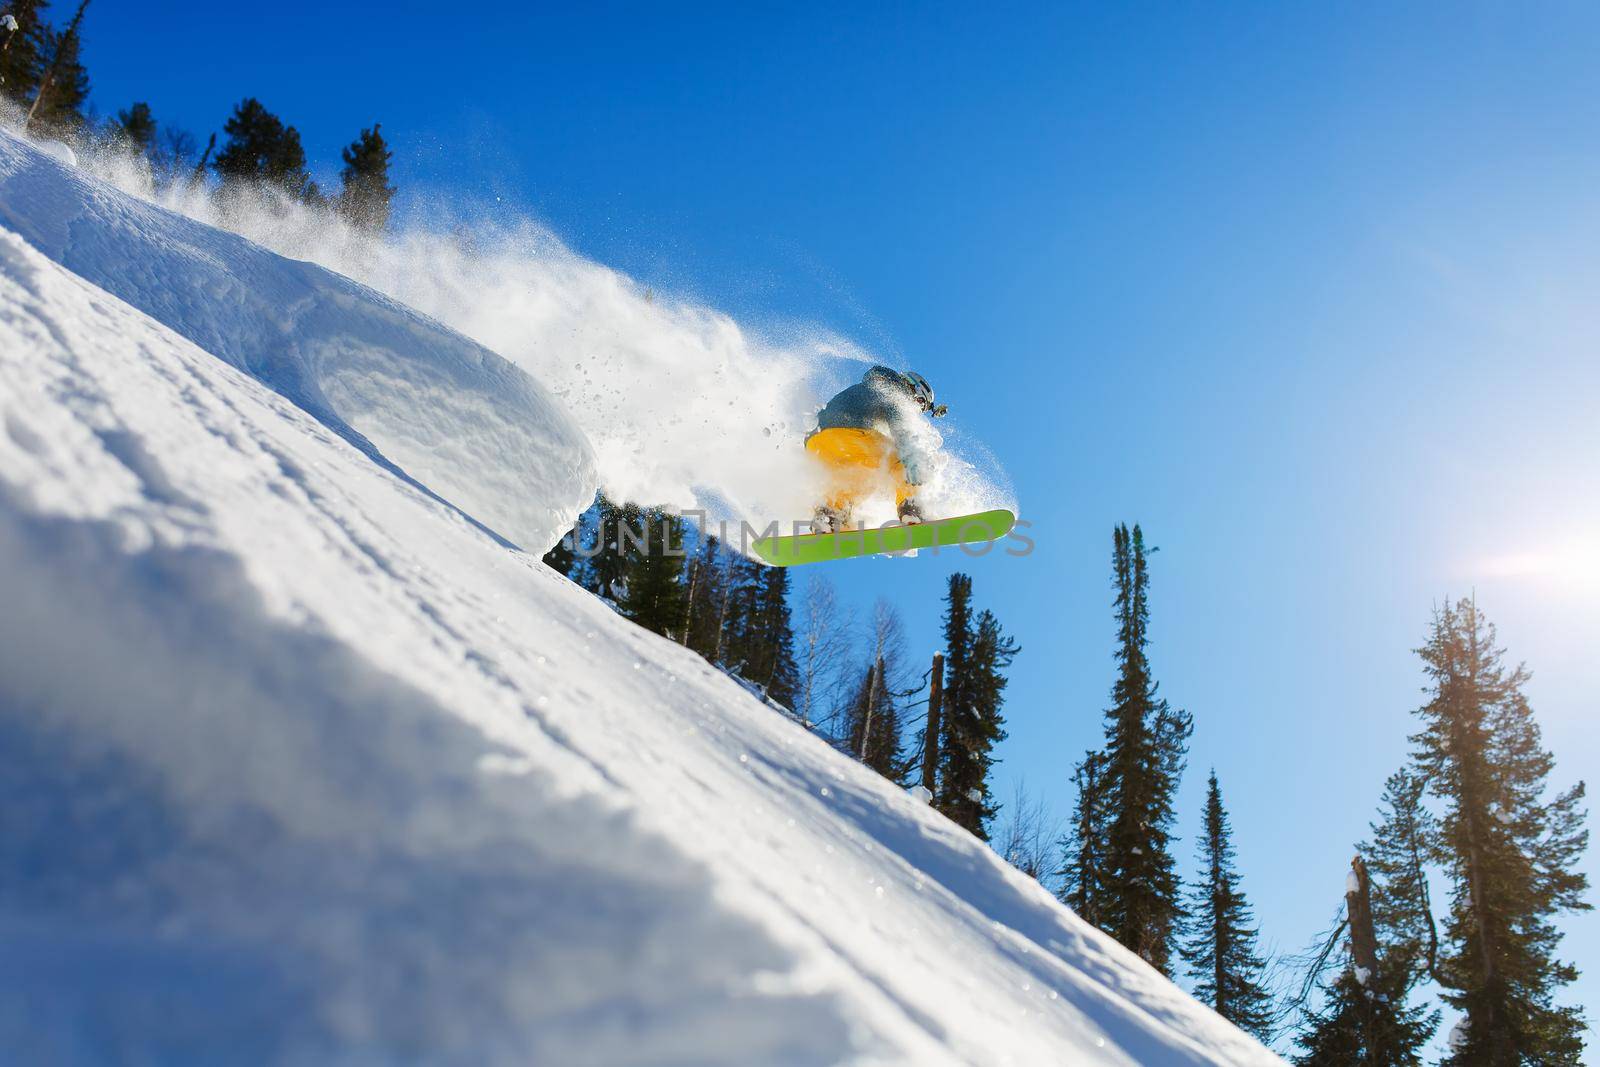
(905, 495)
(859, 465)
(829, 519)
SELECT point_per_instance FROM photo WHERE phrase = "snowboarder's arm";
(911, 443)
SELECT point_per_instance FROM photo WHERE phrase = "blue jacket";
(881, 402)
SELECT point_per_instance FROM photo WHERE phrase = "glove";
(913, 467)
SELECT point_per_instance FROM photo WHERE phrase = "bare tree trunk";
(874, 676)
(55, 63)
(688, 602)
(1427, 910)
(930, 734)
(200, 171)
(1358, 905)
(722, 619)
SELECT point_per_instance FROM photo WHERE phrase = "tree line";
(1471, 807)
(854, 684)
(44, 81)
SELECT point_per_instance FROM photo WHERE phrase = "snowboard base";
(847, 544)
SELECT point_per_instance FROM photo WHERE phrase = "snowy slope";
(448, 412)
(299, 763)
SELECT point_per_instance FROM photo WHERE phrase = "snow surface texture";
(300, 764)
(685, 406)
(449, 413)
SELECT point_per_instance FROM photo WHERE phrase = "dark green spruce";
(60, 88)
(25, 52)
(977, 653)
(1220, 948)
(1083, 846)
(366, 193)
(1365, 1020)
(763, 639)
(134, 129)
(1404, 843)
(872, 725)
(1146, 742)
(1511, 853)
(654, 594)
(1367, 1024)
(261, 150)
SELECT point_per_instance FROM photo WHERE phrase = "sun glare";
(1569, 566)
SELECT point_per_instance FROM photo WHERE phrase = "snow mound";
(298, 766)
(58, 151)
(447, 412)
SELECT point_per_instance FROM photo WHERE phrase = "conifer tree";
(1511, 855)
(1365, 1020)
(10, 28)
(260, 149)
(364, 199)
(954, 770)
(135, 128)
(62, 88)
(977, 653)
(1146, 742)
(1083, 869)
(618, 534)
(654, 592)
(1221, 945)
(992, 653)
(27, 50)
(872, 724)
(711, 600)
(766, 636)
(1367, 1025)
(1402, 845)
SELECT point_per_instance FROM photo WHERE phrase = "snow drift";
(446, 411)
(298, 764)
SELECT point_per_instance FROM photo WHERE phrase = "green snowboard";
(943, 533)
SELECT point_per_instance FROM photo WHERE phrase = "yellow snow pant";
(861, 464)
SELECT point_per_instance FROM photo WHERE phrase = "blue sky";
(1309, 293)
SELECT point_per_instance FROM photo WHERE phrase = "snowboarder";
(871, 440)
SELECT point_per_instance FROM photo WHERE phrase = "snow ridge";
(299, 765)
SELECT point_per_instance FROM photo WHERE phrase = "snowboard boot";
(829, 519)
